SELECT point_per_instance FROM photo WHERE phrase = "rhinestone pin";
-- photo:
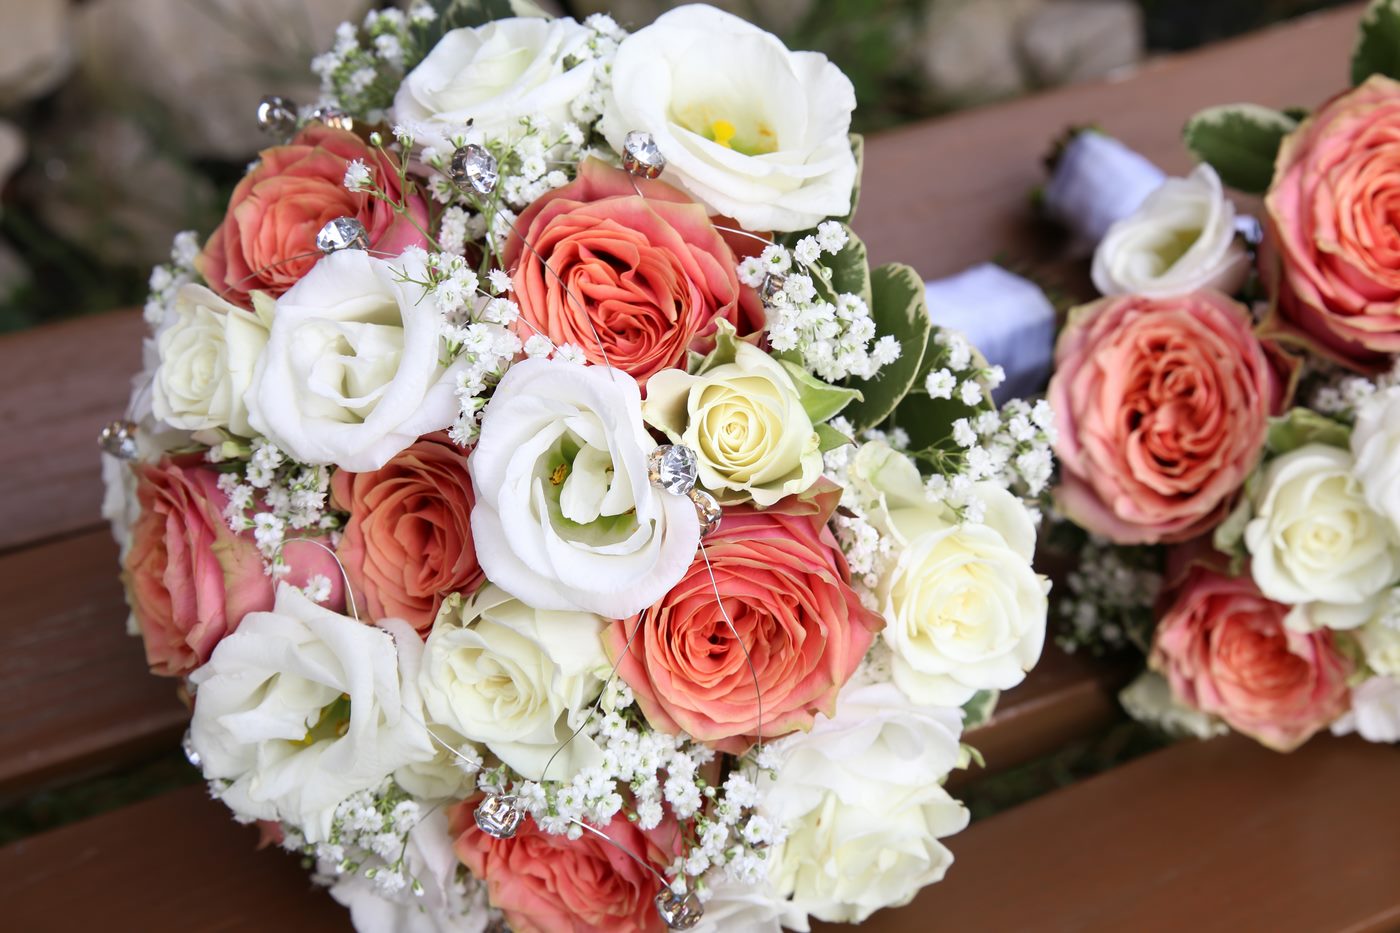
(119, 440)
(474, 167)
(342, 233)
(674, 468)
(277, 116)
(772, 286)
(499, 815)
(641, 156)
(707, 510)
(191, 754)
(680, 911)
(335, 119)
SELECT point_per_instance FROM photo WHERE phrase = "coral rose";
(1225, 650)
(408, 543)
(189, 578)
(1162, 406)
(785, 585)
(554, 884)
(267, 240)
(650, 275)
(1332, 213)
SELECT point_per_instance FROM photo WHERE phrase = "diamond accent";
(191, 754)
(772, 286)
(342, 233)
(707, 510)
(641, 156)
(335, 119)
(499, 815)
(674, 468)
(680, 911)
(119, 440)
(277, 116)
(475, 167)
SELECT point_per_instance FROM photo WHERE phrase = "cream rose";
(1375, 442)
(208, 350)
(302, 707)
(518, 680)
(863, 807)
(491, 76)
(352, 372)
(1379, 637)
(745, 421)
(756, 132)
(1180, 240)
(1313, 538)
(565, 516)
(964, 611)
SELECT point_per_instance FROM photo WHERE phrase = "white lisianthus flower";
(755, 131)
(1375, 711)
(860, 800)
(208, 349)
(493, 75)
(1149, 699)
(518, 680)
(302, 707)
(352, 372)
(1313, 538)
(1181, 239)
(1375, 442)
(963, 609)
(566, 517)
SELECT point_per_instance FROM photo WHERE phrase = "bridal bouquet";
(552, 517)
(1229, 422)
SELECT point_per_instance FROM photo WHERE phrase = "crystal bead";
(475, 167)
(707, 510)
(680, 911)
(499, 815)
(674, 468)
(772, 286)
(342, 233)
(333, 118)
(119, 440)
(277, 116)
(191, 754)
(641, 156)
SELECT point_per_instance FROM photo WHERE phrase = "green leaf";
(822, 401)
(1304, 426)
(979, 709)
(857, 150)
(829, 438)
(850, 268)
(1240, 141)
(929, 421)
(1229, 534)
(897, 306)
(1378, 46)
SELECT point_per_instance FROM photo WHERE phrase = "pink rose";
(1332, 227)
(651, 275)
(786, 587)
(1162, 406)
(190, 579)
(1224, 649)
(552, 884)
(267, 241)
(408, 543)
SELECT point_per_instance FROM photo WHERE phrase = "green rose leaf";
(829, 438)
(898, 309)
(979, 709)
(821, 400)
(1378, 47)
(1240, 141)
(857, 150)
(1304, 426)
(1229, 534)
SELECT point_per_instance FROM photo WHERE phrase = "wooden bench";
(1178, 828)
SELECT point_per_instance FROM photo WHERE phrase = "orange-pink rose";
(1334, 227)
(552, 884)
(786, 588)
(408, 543)
(267, 240)
(650, 275)
(1225, 650)
(1162, 406)
(189, 578)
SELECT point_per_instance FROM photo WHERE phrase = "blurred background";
(125, 121)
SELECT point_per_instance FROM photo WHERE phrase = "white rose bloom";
(1313, 538)
(755, 131)
(518, 680)
(1375, 711)
(566, 517)
(735, 907)
(208, 349)
(1149, 699)
(1375, 442)
(352, 373)
(492, 76)
(302, 707)
(860, 799)
(1379, 637)
(1181, 239)
(964, 611)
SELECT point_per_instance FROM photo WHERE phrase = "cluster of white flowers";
(369, 836)
(166, 279)
(1011, 447)
(600, 49)
(364, 68)
(1339, 393)
(1111, 591)
(867, 551)
(832, 333)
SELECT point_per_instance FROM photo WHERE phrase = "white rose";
(1313, 537)
(1149, 699)
(1379, 637)
(756, 132)
(208, 349)
(1375, 711)
(1375, 442)
(517, 679)
(352, 372)
(1181, 239)
(302, 707)
(860, 800)
(963, 609)
(492, 76)
(735, 907)
(565, 516)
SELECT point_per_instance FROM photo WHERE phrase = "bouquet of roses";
(1229, 419)
(554, 519)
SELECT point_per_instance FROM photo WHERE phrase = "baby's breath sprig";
(366, 65)
(168, 278)
(1110, 596)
